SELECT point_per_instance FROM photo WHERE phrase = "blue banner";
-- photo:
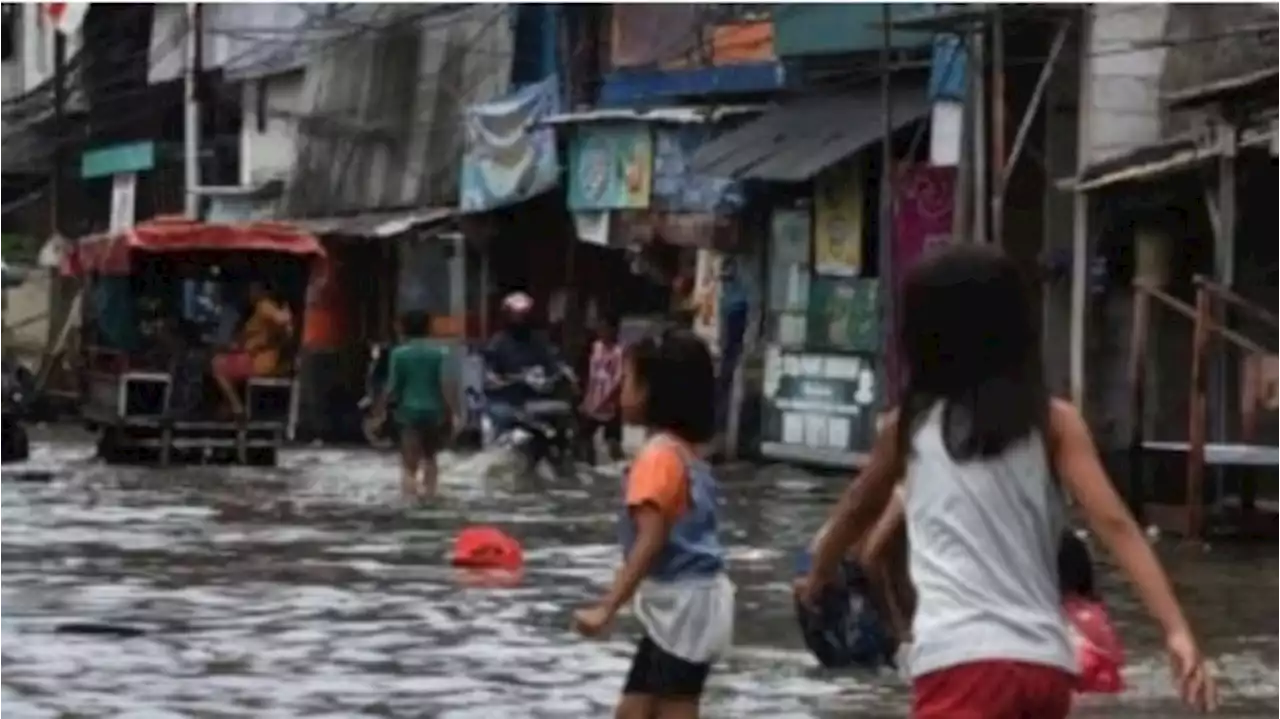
(507, 159)
(675, 188)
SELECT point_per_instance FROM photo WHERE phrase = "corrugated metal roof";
(795, 141)
(374, 225)
(672, 115)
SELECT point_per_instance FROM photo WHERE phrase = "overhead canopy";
(797, 140)
(111, 254)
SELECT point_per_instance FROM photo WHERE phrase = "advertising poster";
(610, 168)
(837, 231)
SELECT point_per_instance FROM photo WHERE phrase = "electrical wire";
(176, 43)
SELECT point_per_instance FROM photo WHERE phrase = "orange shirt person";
(674, 566)
(258, 353)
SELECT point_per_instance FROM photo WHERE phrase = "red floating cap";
(487, 548)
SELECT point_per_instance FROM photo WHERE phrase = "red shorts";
(235, 366)
(993, 690)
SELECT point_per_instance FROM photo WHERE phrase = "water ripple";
(308, 591)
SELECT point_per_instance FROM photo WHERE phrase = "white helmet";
(517, 303)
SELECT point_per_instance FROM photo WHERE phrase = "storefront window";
(789, 272)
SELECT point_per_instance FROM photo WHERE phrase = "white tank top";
(984, 539)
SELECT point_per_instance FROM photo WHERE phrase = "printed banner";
(706, 298)
(924, 201)
(610, 168)
(507, 159)
(837, 234)
(675, 188)
(593, 227)
(924, 204)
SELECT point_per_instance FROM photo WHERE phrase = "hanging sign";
(819, 407)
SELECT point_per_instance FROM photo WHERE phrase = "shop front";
(825, 345)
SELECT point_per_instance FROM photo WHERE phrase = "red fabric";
(487, 548)
(110, 254)
(993, 690)
(1098, 648)
(235, 366)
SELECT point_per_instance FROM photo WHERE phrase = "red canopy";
(112, 254)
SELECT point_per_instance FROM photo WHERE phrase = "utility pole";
(59, 129)
(191, 113)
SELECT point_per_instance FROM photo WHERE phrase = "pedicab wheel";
(109, 446)
(17, 445)
(261, 456)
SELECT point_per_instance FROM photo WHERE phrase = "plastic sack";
(846, 628)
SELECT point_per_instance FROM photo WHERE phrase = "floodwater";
(306, 591)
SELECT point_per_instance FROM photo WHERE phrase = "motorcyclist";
(514, 350)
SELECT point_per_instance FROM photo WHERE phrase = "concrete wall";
(1123, 86)
(269, 130)
(26, 315)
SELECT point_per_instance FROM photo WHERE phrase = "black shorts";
(428, 436)
(656, 672)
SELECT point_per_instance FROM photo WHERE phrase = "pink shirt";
(604, 377)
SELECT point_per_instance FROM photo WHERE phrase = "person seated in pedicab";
(256, 353)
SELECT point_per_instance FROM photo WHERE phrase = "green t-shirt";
(415, 376)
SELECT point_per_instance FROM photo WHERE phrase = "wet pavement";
(306, 591)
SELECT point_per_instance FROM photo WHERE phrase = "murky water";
(307, 592)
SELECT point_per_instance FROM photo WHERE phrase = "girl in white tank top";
(977, 443)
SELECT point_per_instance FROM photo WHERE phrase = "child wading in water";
(979, 442)
(674, 563)
(419, 389)
(599, 409)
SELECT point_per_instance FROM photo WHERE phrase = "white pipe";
(191, 117)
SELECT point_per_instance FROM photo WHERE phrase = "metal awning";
(1148, 163)
(668, 115)
(374, 225)
(795, 141)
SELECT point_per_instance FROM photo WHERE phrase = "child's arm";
(1076, 461)
(861, 506)
(886, 566)
(392, 389)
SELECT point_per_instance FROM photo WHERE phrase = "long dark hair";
(970, 339)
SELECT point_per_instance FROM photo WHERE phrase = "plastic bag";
(1098, 650)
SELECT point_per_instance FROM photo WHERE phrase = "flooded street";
(306, 591)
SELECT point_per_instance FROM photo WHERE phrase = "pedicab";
(161, 304)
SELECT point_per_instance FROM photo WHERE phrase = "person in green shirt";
(420, 391)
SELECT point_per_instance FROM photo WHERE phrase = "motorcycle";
(542, 429)
(376, 427)
(19, 384)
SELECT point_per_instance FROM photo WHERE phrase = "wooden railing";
(1206, 327)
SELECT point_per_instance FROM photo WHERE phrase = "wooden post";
(1196, 423)
(1224, 272)
(1138, 395)
(887, 185)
